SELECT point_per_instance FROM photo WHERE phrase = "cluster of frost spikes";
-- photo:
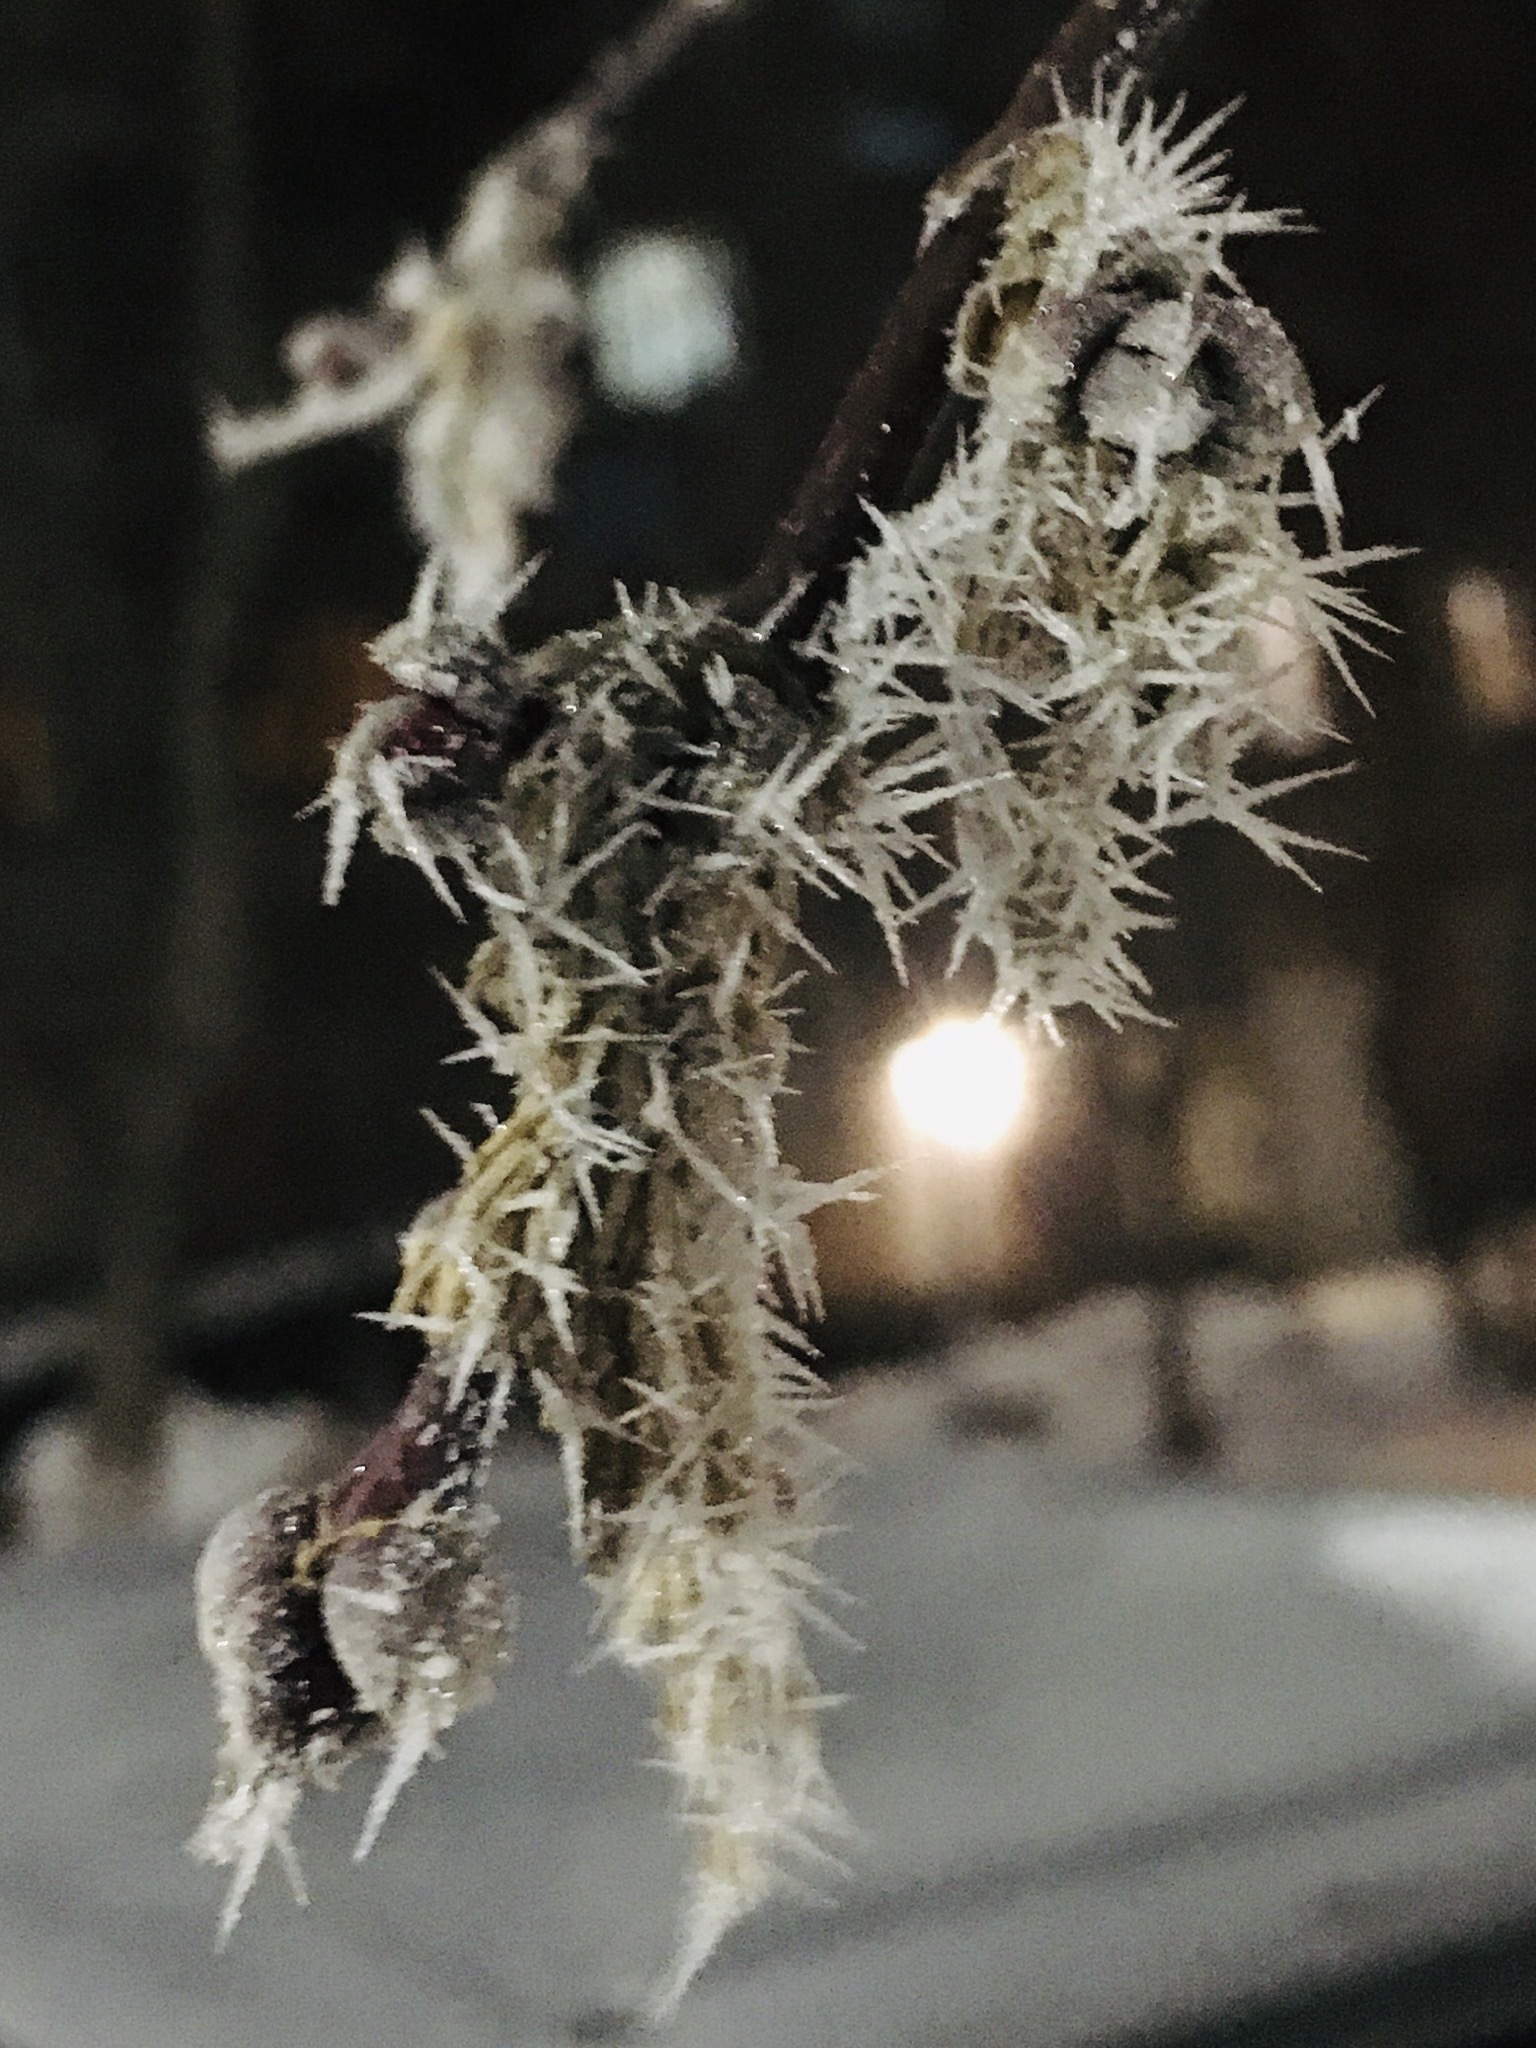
(468, 350)
(1052, 660)
(627, 1235)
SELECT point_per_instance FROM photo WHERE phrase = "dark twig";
(622, 71)
(894, 401)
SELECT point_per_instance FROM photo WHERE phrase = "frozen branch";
(1000, 647)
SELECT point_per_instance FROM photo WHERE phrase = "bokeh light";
(963, 1084)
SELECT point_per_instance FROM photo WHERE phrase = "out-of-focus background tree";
(209, 1084)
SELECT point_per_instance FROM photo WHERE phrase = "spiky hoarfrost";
(1035, 673)
(468, 351)
(1052, 658)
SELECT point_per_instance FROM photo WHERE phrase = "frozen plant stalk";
(1000, 705)
(630, 1234)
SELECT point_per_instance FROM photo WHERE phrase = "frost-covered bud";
(289, 1712)
(466, 710)
(453, 736)
(412, 1610)
(1142, 394)
(1203, 374)
(325, 1641)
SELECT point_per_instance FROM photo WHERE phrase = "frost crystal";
(1051, 660)
(1031, 675)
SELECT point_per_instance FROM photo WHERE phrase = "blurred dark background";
(209, 1085)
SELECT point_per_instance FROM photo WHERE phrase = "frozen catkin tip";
(328, 1638)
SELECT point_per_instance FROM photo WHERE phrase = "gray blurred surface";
(1121, 1756)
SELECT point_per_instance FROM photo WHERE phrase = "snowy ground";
(1121, 1753)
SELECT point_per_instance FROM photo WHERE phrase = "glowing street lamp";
(959, 1096)
(963, 1084)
